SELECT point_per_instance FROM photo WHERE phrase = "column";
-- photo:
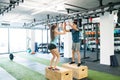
(33, 40)
(106, 38)
(68, 44)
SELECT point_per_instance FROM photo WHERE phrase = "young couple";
(53, 44)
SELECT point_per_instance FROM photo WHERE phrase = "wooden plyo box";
(78, 72)
(62, 74)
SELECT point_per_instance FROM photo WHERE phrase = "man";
(75, 42)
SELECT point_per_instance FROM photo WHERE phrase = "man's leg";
(73, 57)
(79, 56)
(78, 53)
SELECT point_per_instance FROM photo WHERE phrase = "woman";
(54, 33)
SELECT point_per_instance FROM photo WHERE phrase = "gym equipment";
(11, 56)
(62, 74)
(36, 47)
(119, 31)
(79, 21)
(78, 72)
(117, 38)
(44, 46)
(12, 4)
(91, 39)
(29, 50)
(113, 61)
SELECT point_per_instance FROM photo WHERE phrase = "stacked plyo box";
(62, 74)
(78, 72)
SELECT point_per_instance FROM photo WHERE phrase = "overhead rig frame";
(82, 14)
(8, 6)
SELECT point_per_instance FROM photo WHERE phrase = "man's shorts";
(51, 46)
(76, 46)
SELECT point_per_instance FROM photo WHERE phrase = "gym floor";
(40, 67)
(90, 63)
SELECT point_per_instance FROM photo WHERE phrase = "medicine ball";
(11, 56)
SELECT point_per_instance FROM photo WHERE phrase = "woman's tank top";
(54, 41)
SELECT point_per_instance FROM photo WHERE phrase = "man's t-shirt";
(75, 35)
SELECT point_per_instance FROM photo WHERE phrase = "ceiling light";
(57, 5)
(38, 11)
(59, 8)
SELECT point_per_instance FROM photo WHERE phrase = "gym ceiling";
(33, 13)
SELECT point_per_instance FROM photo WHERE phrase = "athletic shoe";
(56, 69)
(50, 67)
(78, 64)
(72, 62)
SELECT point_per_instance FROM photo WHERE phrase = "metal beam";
(82, 13)
(96, 8)
(72, 9)
(75, 6)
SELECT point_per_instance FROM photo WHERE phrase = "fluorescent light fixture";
(30, 5)
(51, 10)
(14, 18)
(34, 13)
(44, 5)
(56, 11)
(59, 8)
